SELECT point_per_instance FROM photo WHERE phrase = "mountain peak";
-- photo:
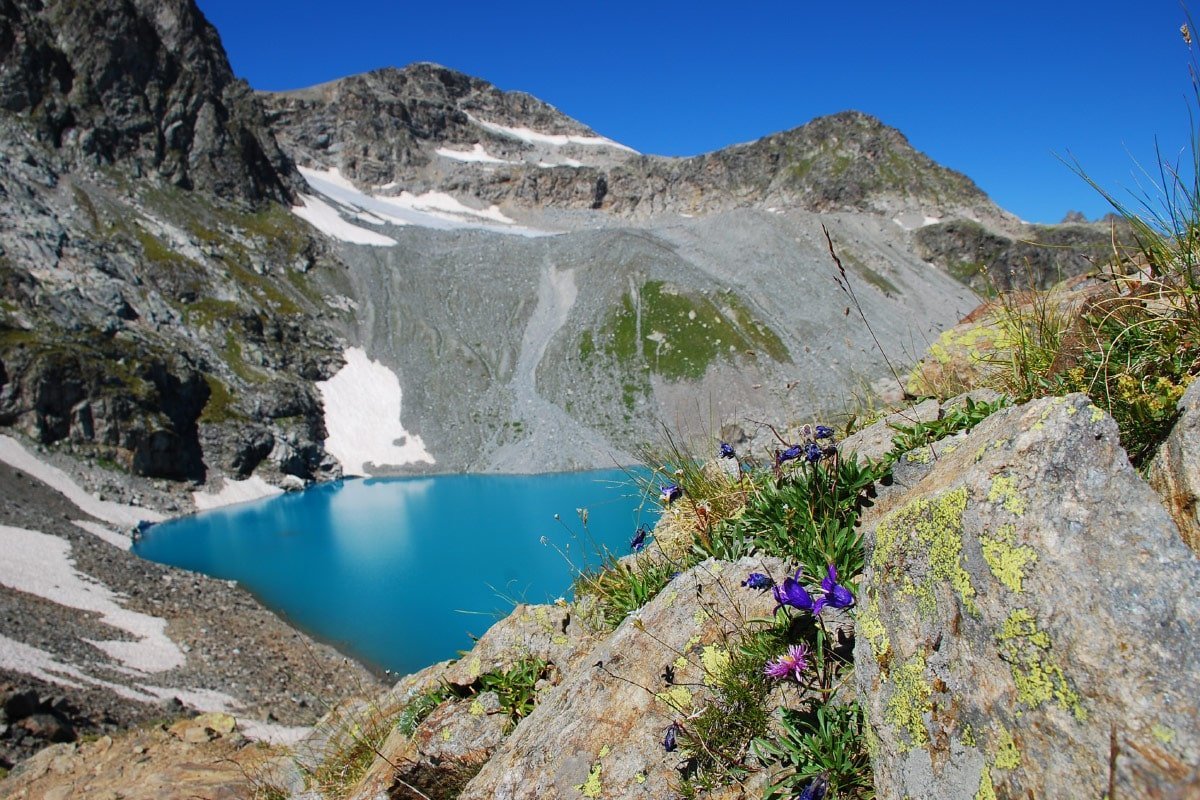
(144, 85)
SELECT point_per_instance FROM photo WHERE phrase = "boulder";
(1175, 470)
(1029, 620)
(599, 733)
(548, 632)
(445, 751)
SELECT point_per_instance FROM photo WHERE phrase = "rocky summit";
(210, 294)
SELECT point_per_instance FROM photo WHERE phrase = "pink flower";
(791, 664)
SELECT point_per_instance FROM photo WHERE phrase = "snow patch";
(253, 488)
(362, 415)
(476, 154)
(563, 162)
(104, 532)
(555, 139)
(328, 221)
(118, 514)
(912, 221)
(40, 564)
(429, 210)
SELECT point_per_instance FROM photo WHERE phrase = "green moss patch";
(678, 334)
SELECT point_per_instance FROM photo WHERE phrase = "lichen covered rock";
(1175, 470)
(599, 733)
(1029, 623)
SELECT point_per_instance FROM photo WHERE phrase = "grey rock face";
(1029, 620)
(1035, 256)
(144, 85)
(1175, 470)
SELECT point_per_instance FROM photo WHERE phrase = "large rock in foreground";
(599, 733)
(1029, 623)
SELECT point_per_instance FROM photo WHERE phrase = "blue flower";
(639, 538)
(824, 432)
(793, 452)
(813, 452)
(727, 451)
(836, 595)
(669, 743)
(816, 789)
(793, 594)
(670, 493)
(756, 580)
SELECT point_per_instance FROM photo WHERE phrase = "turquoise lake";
(401, 572)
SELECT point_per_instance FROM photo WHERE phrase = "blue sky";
(994, 90)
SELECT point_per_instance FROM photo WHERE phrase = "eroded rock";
(1029, 623)
(1175, 470)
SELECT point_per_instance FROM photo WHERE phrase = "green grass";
(342, 769)
(822, 740)
(679, 334)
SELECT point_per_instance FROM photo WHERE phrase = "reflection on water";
(402, 571)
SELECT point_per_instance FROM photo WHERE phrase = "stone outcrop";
(144, 85)
(1031, 257)
(1175, 470)
(1029, 622)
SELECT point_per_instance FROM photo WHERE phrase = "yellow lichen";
(909, 703)
(446, 735)
(1004, 491)
(1097, 414)
(474, 667)
(922, 455)
(868, 623)
(926, 528)
(681, 662)
(1026, 649)
(640, 777)
(715, 661)
(986, 790)
(592, 786)
(560, 640)
(678, 698)
(968, 736)
(1007, 754)
(1163, 733)
(476, 709)
(605, 750)
(1005, 558)
(700, 616)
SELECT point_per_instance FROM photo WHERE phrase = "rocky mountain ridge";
(409, 128)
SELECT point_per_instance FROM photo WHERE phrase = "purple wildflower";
(836, 595)
(756, 580)
(670, 493)
(791, 664)
(824, 432)
(639, 538)
(793, 594)
(727, 451)
(669, 743)
(793, 452)
(816, 789)
(813, 452)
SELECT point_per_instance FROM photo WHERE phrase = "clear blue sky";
(993, 90)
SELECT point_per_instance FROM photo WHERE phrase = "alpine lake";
(403, 572)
